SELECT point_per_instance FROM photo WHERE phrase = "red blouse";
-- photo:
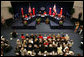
(23, 37)
(40, 37)
(45, 43)
(49, 37)
(26, 16)
(63, 37)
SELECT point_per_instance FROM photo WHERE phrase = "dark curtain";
(67, 6)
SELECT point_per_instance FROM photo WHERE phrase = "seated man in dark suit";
(14, 34)
(27, 37)
(36, 49)
(32, 36)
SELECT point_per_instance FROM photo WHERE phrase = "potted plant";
(25, 23)
(11, 10)
(72, 12)
(47, 21)
(38, 20)
(10, 20)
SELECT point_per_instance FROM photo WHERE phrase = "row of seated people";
(5, 46)
(34, 45)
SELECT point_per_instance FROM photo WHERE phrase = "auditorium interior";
(41, 28)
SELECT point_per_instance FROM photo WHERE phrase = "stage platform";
(20, 25)
(67, 25)
(54, 23)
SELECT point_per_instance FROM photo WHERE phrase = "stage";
(67, 25)
(32, 23)
(19, 25)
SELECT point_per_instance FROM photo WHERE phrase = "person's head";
(55, 45)
(50, 45)
(53, 35)
(25, 14)
(46, 41)
(71, 53)
(66, 35)
(71, 41)
(39, 34)
(30, 45)
(35, 45)
(81, 26)
(30, 40)
(78, 54)
(24, 41)
(39, 53)
(63, 35)
(22, 34)
(40, 40)
(32, 34)
(49, 34)
(22, 48)
(2, 36)
(27, 39)
(40, 45)
(14, 30)
(22, 16)
(44, 11)
(3, 39)
(60, 21)
(35, 34)
(27, 34)
(39, 11)
(67, 50)
(77, 22)
(62, 39)
(54, 42)
(58, 35)
(58, 39)
(80, 13)
(44, 35)
(21, 8)
(45, 51)
(18, 40)
(64, 45)
(65, 54)
(35, 39)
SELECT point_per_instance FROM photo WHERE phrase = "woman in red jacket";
(49, 37)
(23, 37)
(40, 36)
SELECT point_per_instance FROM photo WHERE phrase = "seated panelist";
(26, 16)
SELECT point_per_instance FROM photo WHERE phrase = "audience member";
(80, 29)
(55, 45)
(40, 36)
(5, 46)
(14, 34)
(76, 26)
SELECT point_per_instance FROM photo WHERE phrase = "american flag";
(29, 8)
(54, 8)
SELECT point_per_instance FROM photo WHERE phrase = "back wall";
(67, 6)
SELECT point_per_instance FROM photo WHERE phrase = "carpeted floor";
(42, 29)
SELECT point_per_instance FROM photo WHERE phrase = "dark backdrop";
(67, 6)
